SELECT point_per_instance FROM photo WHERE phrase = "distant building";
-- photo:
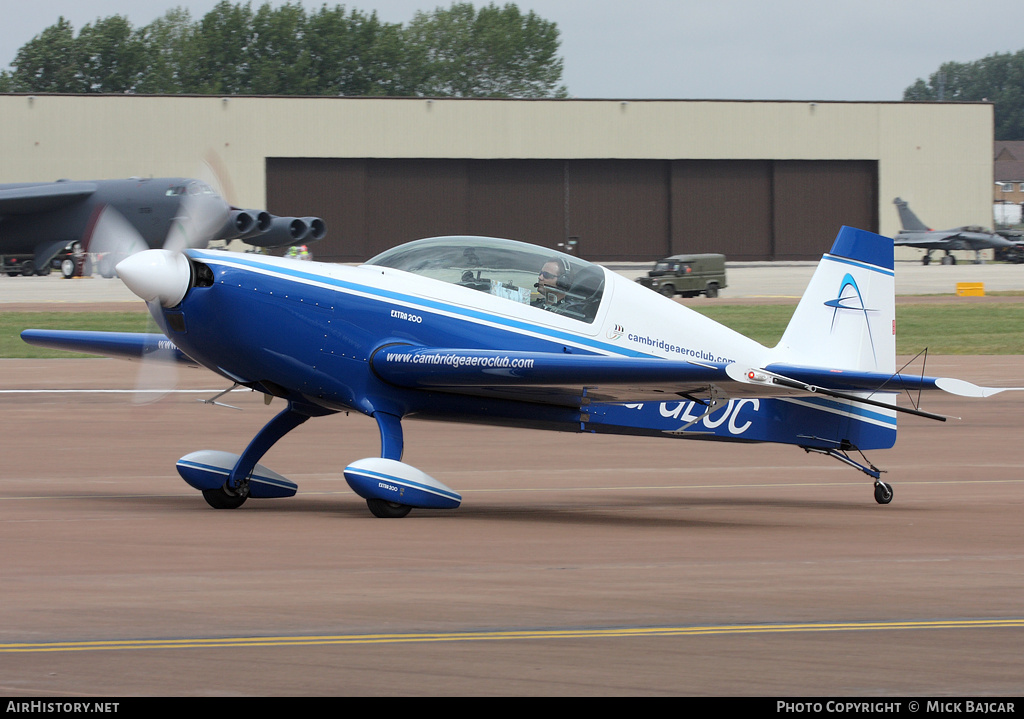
(1008, 169)
(616, 180)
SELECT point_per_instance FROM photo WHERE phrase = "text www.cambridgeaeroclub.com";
(455, 360)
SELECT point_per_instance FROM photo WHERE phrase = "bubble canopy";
(516, 271)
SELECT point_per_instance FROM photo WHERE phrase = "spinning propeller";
(160, 276)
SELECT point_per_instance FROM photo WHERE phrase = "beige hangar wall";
(937, 156)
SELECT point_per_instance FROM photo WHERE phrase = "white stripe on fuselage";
(880, 417)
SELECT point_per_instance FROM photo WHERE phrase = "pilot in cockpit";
(552, 282)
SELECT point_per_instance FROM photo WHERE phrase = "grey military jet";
(916, 234)
(41, 220)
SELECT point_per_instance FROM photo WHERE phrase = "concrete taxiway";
(577, 565)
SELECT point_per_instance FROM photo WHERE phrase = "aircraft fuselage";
(309, 333)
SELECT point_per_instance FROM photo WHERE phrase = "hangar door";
(626, 210)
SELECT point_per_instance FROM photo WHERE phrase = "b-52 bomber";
(40, 220)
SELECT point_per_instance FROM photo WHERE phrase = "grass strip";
(944, 328)
(12, 323)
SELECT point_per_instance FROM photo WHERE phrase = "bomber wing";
(30, 198)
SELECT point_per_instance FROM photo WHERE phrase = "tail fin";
(847, 316)
(908, 220)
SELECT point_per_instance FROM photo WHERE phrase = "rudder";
(846, 318)
(908, 220)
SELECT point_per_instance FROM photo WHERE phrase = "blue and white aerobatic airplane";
(492, 331)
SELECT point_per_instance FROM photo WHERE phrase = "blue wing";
(543, 376)
(125, 345)
(554, 378)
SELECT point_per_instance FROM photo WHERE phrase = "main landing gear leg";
(883, 491)
(236, 489)
(392, 445)
(390, 487)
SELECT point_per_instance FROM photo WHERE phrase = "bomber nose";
(156, 275)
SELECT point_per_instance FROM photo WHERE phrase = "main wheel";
(387, 510)
(224, 498)
(883, 493)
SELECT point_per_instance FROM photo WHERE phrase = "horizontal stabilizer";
(965, 389)
(853, 380)
(124, 345)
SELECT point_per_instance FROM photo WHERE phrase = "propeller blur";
(492, 331)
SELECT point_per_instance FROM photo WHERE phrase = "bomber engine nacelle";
(245, 222)
(285, 231)
(317, 228)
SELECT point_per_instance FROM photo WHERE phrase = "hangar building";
(629, 180)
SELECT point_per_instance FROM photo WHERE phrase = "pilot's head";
(552, 280)
(548, 275)
(553, 275)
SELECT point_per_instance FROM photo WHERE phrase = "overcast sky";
(691, 49)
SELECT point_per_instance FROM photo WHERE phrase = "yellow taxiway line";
(509, 635)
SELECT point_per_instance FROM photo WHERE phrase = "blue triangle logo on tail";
(851, 302)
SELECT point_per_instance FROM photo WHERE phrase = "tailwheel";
(225, 497)
(883, 492)
(386, 510)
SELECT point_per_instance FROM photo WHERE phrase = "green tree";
(496, 52)
(279, 62)
(223, 42)
(355, 54)
(171, 52)
(113, 57)
(48, 62)
(455, 52)
(998, 79)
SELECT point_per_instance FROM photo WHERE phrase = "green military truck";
(687, 275)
